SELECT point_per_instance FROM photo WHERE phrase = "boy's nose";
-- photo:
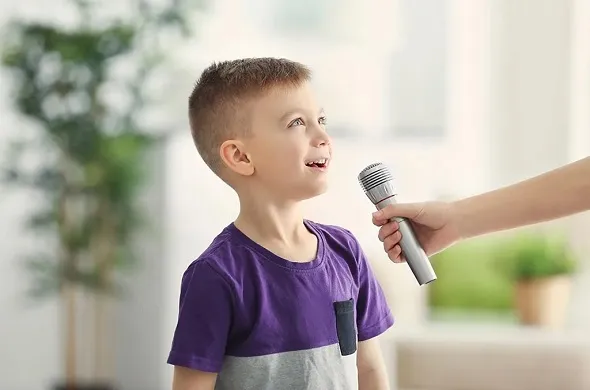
(322, 138)
(321, 142)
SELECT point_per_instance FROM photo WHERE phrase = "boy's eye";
(322, 120)
(297, 122)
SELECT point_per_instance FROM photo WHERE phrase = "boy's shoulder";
(225, 252)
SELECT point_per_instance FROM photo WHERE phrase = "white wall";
(579, 147)
(531, 56)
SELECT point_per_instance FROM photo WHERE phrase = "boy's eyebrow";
(297, 111)
(290, 113)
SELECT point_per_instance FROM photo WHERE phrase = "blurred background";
(104, 200)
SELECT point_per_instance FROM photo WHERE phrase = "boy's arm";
(187, 379)
(371, 366)
(373, 319)
(201, 335)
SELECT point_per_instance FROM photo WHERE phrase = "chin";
(314, 192)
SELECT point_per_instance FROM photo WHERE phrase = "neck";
(266, 221)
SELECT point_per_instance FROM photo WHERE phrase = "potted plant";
(86, 158)
(541, 267)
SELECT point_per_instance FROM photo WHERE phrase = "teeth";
(322, 161)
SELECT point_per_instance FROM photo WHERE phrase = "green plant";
(468, 280)
(86, 153)
(536, 255)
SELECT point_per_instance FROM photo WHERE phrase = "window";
(288, 18)
(419, 70)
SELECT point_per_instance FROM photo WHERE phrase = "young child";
(276, 302)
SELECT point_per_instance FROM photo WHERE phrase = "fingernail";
(377, 214)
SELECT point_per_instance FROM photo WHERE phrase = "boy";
(276, 302)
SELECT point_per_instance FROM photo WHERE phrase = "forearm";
(555, 194)
(375, 379)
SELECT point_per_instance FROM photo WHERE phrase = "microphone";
(377, 182)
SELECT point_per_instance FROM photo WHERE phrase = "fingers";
(407, 210)
(390, 236)
(396, 257)
(387, 230)
(395, 254)
(392, 240)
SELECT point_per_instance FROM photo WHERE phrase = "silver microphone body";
(377, 183)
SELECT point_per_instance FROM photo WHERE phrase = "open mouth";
(320, 163)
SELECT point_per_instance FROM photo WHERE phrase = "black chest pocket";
(345, 326)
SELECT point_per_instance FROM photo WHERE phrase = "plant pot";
(85, 386)
(543, 302)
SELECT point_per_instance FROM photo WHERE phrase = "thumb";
(406, 210)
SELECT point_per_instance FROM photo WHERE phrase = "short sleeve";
(204, 319)
(373, 314)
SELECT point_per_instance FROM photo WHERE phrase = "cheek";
(287, 152)
(286, 160)
(274, 160)
(280, 153)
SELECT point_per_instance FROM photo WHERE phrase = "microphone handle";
(411, 248)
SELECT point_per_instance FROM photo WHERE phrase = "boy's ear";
(234, 156)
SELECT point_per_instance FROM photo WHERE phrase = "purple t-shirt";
(263, 322)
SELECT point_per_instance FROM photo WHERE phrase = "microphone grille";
(370, 167)
(374, 175)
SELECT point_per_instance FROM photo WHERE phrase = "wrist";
(461, 221)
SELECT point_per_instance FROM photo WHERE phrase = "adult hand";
(435, 225)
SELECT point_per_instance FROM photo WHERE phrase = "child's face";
(290, 149)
